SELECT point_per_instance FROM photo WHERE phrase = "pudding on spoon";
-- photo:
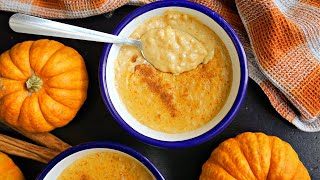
(172, 50)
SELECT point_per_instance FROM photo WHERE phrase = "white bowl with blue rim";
(66, 158)
(238, 88)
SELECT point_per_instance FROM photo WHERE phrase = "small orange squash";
(254, 156)
(43, 84)
(8, 170)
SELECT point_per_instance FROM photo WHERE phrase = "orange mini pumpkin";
(43, 84)
(8, 170)
(254, 156)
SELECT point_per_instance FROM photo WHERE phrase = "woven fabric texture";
(281, 39)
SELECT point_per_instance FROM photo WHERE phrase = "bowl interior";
(64, 163)
(120, 107)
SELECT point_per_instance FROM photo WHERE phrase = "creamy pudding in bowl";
(179, 99)
(168, 102)
(109, 164)
(100, 160)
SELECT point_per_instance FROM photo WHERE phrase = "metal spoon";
(34, 25)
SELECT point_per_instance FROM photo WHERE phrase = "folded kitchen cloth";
(281, 39)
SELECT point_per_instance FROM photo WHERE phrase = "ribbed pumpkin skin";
(254, 156)
(8, 170)
(64, 85)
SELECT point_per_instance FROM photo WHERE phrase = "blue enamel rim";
(235, 107)
(107, 145)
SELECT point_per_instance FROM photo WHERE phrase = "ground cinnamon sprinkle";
(148, 75)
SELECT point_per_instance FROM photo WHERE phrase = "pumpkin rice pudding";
(106, 165)
(172, 103)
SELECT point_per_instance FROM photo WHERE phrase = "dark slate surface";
(95, 123)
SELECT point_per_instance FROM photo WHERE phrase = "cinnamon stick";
(13, 150)
(44, 139)
(21, 148)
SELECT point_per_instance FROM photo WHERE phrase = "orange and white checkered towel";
(281, 39)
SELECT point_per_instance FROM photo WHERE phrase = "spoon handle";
(34, 25)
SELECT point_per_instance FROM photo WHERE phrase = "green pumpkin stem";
(34, 83)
